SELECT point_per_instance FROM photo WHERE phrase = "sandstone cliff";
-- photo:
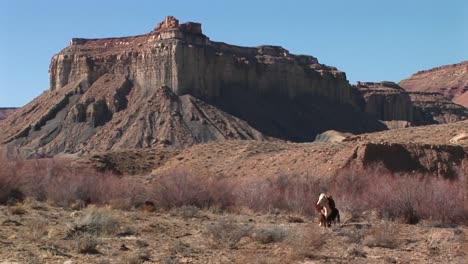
(175, 86)
(449, 80)
(387, 101)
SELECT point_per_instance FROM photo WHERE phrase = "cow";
(328, 212)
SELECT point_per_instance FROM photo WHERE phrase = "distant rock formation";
(6, 111)
(449, 80)
(389, 102)
(175, 86)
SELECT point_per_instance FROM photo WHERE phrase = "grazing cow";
(327, 210)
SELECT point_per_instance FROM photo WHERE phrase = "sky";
(370, 40)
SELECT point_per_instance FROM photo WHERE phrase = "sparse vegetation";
(307, 243)
(94, 221)
(383, 235)
(409, 197)
(228, 233)
(86, 244)
(271, 234)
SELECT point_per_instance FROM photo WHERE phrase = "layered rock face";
(6, 111)
(183, 59)
(174, 86)
(389, 102)
(386, 101)
(449, 80)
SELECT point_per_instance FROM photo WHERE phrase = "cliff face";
(387, 101)
(183, 59)
(174, 86)
(449, 80)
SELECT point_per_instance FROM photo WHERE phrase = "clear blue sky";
(368, 39)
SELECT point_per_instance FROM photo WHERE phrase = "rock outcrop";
(175, 86)
(386, 101)
(435, 108)
(392, 104)
(449, 80)
(6, 111)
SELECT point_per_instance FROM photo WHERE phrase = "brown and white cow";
(328, 212)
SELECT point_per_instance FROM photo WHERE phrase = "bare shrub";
(289, 193)
(228, 232)
(188, 211)
(37, 229)
(273, 234)
(94, 221)
(354, 235)
(181, 247)
(59, 182)
(306, 243)
(355, 250)
(383, 235)
(179, 188)
(409, 197)
(87, 244)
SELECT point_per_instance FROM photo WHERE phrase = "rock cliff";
(449, 80)
(387, 101)
(175, 86)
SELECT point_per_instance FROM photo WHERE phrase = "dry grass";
(306, 243)
(87, 244)
(94, 221)
(272, 234)
(383, 235)
(228, 233)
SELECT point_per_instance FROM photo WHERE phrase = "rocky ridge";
(449, 80)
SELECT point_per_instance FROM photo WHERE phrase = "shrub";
(271, 234)
(355, 250)
(94, 221)
(306, 243)
(58, 181)
(87, 244)
(228, 233)
(179, 188)
(383, 235)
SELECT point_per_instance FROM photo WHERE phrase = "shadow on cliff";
(299, 119)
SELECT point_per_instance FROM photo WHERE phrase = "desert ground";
(36, 232)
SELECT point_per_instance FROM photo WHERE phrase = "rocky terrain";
(6, 111)
(387, 101)
(449, 80)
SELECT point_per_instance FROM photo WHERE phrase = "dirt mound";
(112, 114)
